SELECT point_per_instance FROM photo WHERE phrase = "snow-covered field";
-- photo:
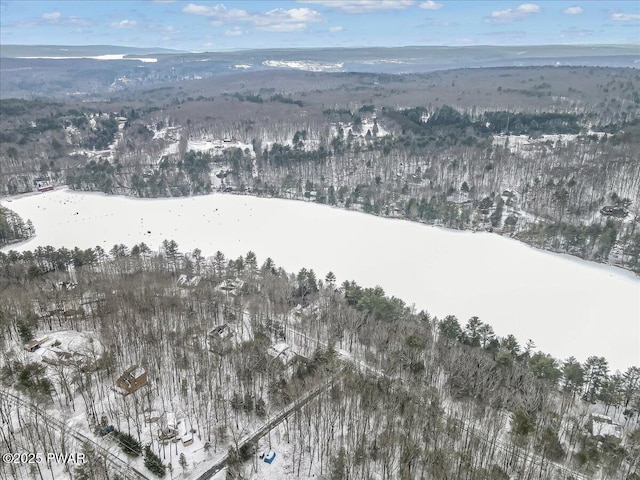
(517, 142)
(566, 305)
(217, 146)
(308, 65)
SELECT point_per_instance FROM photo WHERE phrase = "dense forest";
(375, 388)
(174, 364)
(510, 150)
(546, 192)
(13, 228)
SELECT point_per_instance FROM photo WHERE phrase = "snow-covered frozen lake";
(566, 305)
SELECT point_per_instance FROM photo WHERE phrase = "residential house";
(220, 339)
(186, 281)
(169, 428)
(231, 287)
(131, 380)
(603, 426)
(283, 352)
(33, 345)
(55, 356)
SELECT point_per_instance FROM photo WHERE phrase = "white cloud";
(282, 27)
(203, 10)
(124, 24)
(276, 20)
(430, 5)
(280, 20)
(573, 11)
(335, 29)
(55, 18)
(625, 17)
(512, 14)
(78, 21)
(52, 16)
(528, 8)
(234, 32)
(218, 11)
(362, 6)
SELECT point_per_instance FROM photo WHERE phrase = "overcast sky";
(200, 25)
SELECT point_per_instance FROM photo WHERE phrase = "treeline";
(13, 228)
(553, 200)
(278, 97)
(555, 195)
(103, 134)
(94, 176)
(587, 241)
(25, 123)
(284, 156)
(591, 379)
(38, 137)
(190, 174)
(10, 107)
(448, 119)
(413, 396)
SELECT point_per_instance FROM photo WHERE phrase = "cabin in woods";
(33, 345)
(131, 380)
(220, 339)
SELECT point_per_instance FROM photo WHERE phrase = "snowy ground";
(367, 125)
(308, 65)
(516, 142)
(214, 147)
(566, 305)
(217, 145)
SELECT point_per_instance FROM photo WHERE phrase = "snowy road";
(271, 423)
(119, 465)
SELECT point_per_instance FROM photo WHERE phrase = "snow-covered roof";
(279, 348)
(170, 418)
(182, 428)
(31, 344)
(119, 390)
(187, 281)
(606, 430)
(138, 371)
(283, 351)
(223, 331)
(56, 356)
(596, 417)
(230, 286)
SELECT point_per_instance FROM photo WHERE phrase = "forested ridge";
(569, 196)
(402, 394)
(545, 155)
(340, 379)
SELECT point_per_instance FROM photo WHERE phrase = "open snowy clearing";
(308, 65)
(566, 305)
